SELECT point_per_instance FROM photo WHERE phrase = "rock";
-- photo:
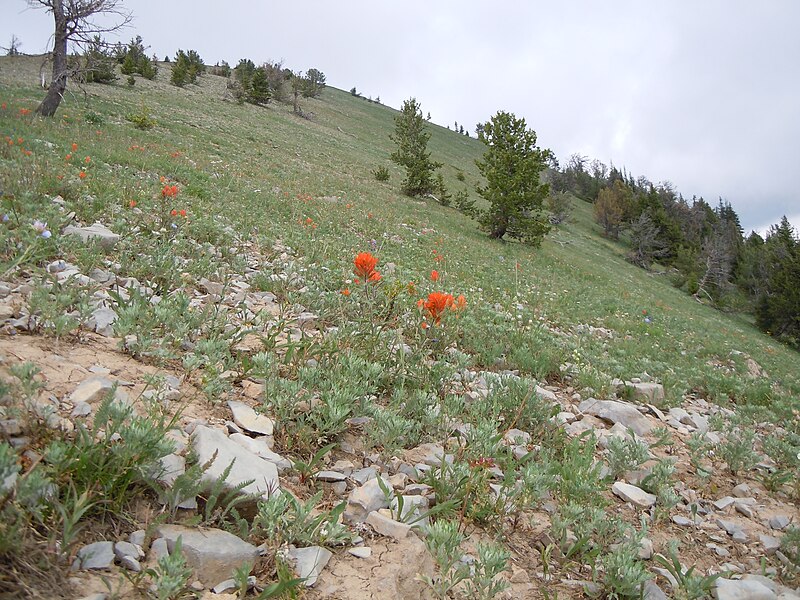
(651, 591)
(744, 509)
(309, 562)
(98, 232)
(102, 321)
(137, 538)
(213, 553)
(617, 412)
(330, 476)
(742, 589)
(99, 555)
(366, 499)
(771, 544)
(363, 475)
(517, 436)
(246, 418)
(230, 584)
(742, 491)
(685, 521)
(131, 564)
(633, 494)
(779, 522)
(724, 503)
(91, 390)
(260, 447)
(210, 287)
(544, 394)
(246, 466)
(652, 393)
(360, 551)
(159, 549)
(413, 506)
(127, 549)
(646, 549)
(388, 527)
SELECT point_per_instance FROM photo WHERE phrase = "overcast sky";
(703, 94)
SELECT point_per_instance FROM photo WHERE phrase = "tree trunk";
(58, 84)
(498, 232)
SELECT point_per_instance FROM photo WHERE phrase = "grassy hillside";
(280, 204)
(240, 162)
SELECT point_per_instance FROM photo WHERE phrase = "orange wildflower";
(346, 292)
(174, 212)
(365, 265)
(132, 203)
(82, 174)
(74, 146)
(183, 212)
(434, 275)
(24, 111)
(169, 191)
(87, 160)
(375, 276)
(68, 157)
(436, 304)
(3, 106)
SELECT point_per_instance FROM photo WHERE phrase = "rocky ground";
(723, 522)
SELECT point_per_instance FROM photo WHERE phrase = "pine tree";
(512, 165)
(411, 137)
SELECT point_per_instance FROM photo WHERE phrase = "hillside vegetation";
(241, 278)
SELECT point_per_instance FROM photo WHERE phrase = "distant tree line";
(703, 245)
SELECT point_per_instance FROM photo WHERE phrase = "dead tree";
(74, 23)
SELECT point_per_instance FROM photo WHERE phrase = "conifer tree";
(411, 137)
(512, 165)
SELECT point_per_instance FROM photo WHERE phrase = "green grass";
(245, 166)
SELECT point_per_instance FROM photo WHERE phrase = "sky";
(705, 95)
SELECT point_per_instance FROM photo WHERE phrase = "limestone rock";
(99, 555)
(633, 494)
(385, 526)
(617, 412)
(212, 553)
(259, 447)
(246, 465)
(91, 390)
(309, 562)
(742, 589)
(365, 499)
(246, 418)
(98, 232)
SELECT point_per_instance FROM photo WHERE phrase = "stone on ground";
(247, 418)
(214, 554)
(633, 494)
(309, 562)
(617, 412)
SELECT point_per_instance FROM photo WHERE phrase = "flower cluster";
(169, 191)
(41, 229)
(175, 212)
(365, 265)
(437, 304)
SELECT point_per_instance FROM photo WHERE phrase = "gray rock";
(388, 527)
(633, 494)
(99, 555)
(246, 466)
(81, 409)
(212, 553)
(653, 592)
(127, 549)
(131, 564)
(617, 412)
(210, 287)
(260, 447)
(102, 321)
(247, 418)
(742, 589)
(771, 544)
(98, 232)
(652, 393)
(159, 549)
(330, 476)
(362, 476)
(413, 506)
(360, 551)
(230, 584)
(137, 537)
(544, 394)
(366, 499)
(779, 522)
(724, 503)
(309, 562)
(91, 390)
(742, 491)
(685, 521)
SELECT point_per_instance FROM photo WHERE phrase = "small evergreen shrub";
(381, 173)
